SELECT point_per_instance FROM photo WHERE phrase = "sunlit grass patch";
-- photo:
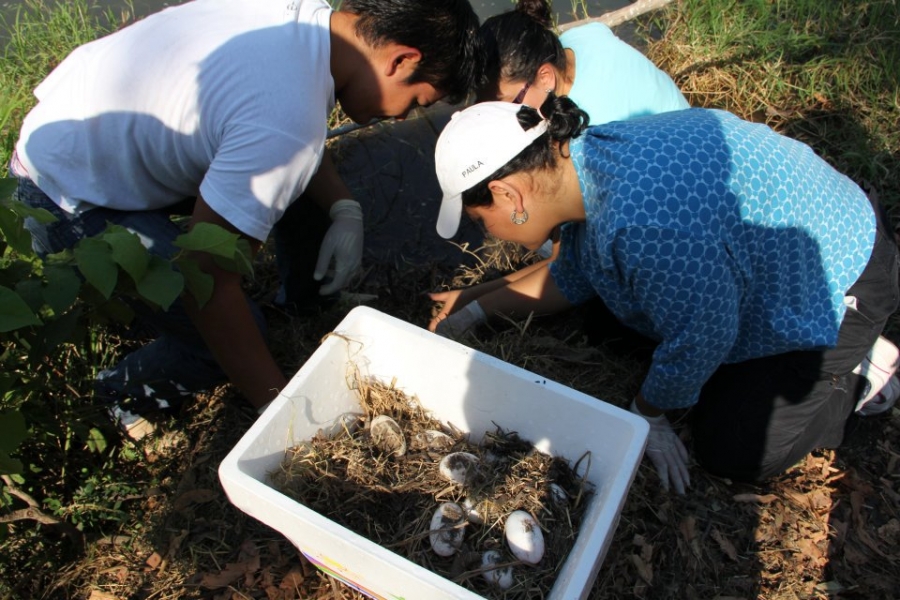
(38, 37)
(827, 73)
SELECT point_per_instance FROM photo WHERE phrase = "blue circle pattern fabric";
(719, 238)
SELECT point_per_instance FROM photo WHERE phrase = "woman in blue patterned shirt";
(764, 275)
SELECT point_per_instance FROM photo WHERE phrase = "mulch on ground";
(828, 528)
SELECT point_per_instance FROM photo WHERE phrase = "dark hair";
(566, 122)
(516, 43)
(445, 31)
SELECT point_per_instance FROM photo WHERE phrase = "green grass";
(826, 72)
(40, 35)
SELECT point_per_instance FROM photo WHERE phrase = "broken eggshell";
(557, 494)
(387, 435)
(447, 529)
(524, 537)
(501, 577)
(479, 512)
(346, 423)
(459, 467)
(434, 440)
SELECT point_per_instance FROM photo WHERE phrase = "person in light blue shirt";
(606, 77)
(613, 80)
(764, 276)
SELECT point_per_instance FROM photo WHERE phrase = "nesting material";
(442, 501)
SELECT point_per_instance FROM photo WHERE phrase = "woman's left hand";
(450, 300)
(462, 321)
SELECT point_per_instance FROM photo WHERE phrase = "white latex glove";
(344, 243)
(665, 449)
(457, 324)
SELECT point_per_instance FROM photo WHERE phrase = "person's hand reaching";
(449, 300)
(343, 243)
(457, 324)
(666, 451)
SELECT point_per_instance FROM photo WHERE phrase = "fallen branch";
(34, 513)
(617, 17)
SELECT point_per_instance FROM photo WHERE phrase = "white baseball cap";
(473, 146)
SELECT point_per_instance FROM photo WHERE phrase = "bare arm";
(529, 290)
(228, 326)
(456, 299)
(326, 187)
(534, 292)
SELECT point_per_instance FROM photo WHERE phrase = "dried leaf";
(198, 496)
(643, 569)
(766, 499)
(293, 579)
(689, 531)
(231, 573)
(689, 528)
(98, 595)
(154, 561)
(866, 539)
(175, 543)
(820, 500)
(273, 593)
(811, 551)
(798, 498)
(889, 533)
(725, 544)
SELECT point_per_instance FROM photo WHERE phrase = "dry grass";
(349, 477)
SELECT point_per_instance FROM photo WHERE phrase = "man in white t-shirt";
(221, 107)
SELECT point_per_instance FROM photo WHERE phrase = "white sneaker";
(881, 402)
(879, 367)
(132, 424)
(884, 355)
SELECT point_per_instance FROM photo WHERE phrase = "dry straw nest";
(390, 499)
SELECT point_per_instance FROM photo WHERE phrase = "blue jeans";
(177, 363)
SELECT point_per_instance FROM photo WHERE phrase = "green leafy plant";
(52, 312)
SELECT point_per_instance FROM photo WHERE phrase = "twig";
(617, 17)
(34, 513)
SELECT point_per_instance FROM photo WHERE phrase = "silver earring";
(548, 91)
(519, 220)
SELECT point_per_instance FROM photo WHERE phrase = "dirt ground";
(827, 529)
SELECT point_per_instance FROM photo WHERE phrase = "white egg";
(447, 529)
(524, 537)
(387, 435)
(459, 467)
(502, 577)
(434, 440)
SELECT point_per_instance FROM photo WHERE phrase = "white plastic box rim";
(390, 348)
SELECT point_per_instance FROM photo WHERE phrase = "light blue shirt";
(613, 80)
(720, 238)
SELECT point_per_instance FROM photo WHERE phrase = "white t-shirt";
(228, 99)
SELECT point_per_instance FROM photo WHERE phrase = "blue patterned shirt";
(719, 238)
